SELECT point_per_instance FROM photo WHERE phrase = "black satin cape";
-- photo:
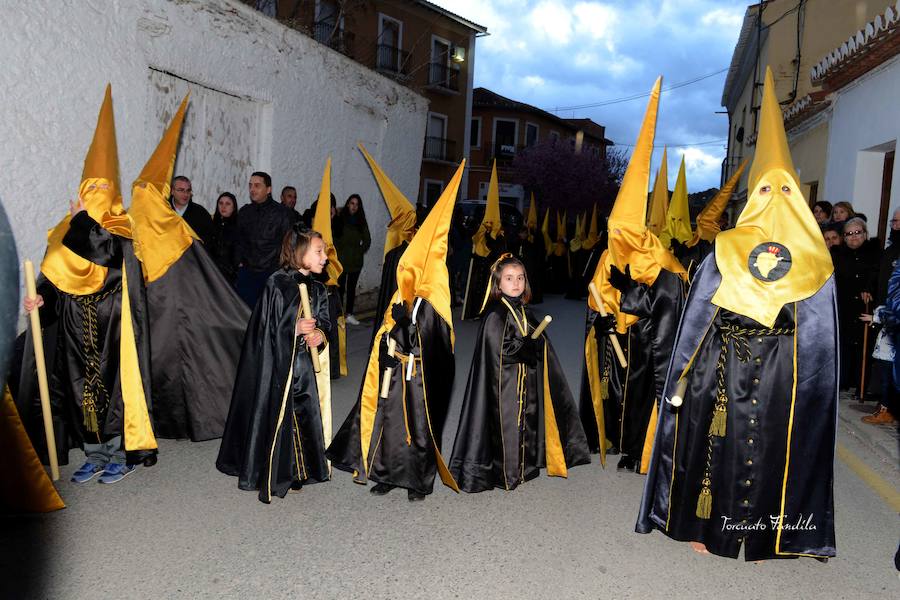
(388, 285)
(405, 445)
(602, 389)
(648, 347)
(479, 276)
(776, 459)
(273, 439)
(197, 324)
(62, 318)
(509, 428)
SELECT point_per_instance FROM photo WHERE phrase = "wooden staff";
(386, 382)
(541, 327)
(865, 347)
(38, 343)
(612, 336)
(307, 314)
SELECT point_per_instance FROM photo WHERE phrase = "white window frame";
(537, 135)
(441, 116)
(494, 132)
(477, 145)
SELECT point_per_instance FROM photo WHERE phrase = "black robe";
(273, 439)
(532, 256)
(337, 336)
(404, 449)
(648, 347)
(479, 276)
(79, 328)
(508, 426)
(197, 324)
(776, 458)
(388, 286)
(602, 387)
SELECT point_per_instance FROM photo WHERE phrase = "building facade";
(415, 43)
(501, 128)
(790, 36)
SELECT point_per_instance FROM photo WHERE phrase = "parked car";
(472, 212)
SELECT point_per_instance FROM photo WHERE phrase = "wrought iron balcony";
(392, 60)
(438, 148)
(324, 32)
(443, 78)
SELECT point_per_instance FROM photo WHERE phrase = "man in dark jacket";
(262, 225)
(193, 214)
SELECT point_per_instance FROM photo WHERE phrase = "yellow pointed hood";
(577, 241)
(422, 271)
(102, 197)
(593, 235)
(490, 224)
(559, 247)
(659, 200)
(630, 242)
(160, 235)
(322, 224)
(708, 219)
(775, 254)
(532, 220)
(402, 226)
(678, 217)
(545, 231)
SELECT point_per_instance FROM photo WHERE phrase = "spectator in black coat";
(289, 201)
(856, 266)
(262, 225)
(193, 214)
(223, 242)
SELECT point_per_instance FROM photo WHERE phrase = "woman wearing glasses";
(856, 265)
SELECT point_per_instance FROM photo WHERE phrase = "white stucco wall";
(263, 97)
(865, 123)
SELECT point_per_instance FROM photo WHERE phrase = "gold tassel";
(704, 501)
(717, 427)
(604, 389)
(89, 409)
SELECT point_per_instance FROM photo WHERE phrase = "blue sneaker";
(86, 472)
(115, 473)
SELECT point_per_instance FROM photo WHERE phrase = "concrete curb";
(879, 439)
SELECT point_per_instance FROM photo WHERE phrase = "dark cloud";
(556, 53)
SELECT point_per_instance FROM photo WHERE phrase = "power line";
(707, 143)
(674, 86)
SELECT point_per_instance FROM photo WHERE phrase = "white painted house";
(263, 97)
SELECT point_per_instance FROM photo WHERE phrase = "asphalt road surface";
(183, 530)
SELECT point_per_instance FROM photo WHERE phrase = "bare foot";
(699, 548)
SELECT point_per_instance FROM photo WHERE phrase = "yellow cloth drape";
(678, 217)
(592, 368)
(776, 222)
(659, 200)
(556, 460)
(545, 231)
(532, 220)
(490, 224)
(322, 224)
(402, 226)
(138, 429)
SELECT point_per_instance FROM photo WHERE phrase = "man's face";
(182, 192)
(289, 198)
(259, 191)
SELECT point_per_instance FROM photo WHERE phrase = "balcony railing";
(438, 148)
(340, 40)
(392, 60)
(442, 77)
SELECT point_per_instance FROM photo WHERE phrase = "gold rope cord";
(95, 397)
(738, 336)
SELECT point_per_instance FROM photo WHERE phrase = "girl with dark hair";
(223, 241)
(274, 438)
(518, 415)
(352, 242)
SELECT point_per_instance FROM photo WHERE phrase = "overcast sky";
(558, 53)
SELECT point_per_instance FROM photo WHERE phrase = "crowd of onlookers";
(246, 243)
(863, 265)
